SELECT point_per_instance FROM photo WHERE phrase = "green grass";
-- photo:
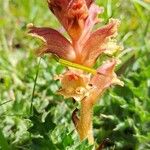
(122, 114)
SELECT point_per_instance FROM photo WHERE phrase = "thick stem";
(85, 126)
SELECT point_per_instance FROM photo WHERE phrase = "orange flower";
(74, 15)
(78, 18)
(79, 85)
(104, 78)
(75, 84)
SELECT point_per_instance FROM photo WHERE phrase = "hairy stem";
(85, 126)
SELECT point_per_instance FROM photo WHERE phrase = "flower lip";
(54, 42)
(107, 68)
(74, 84)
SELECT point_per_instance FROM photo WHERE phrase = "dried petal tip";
(115, 24)
(30, 25)
(112, 48)
(117, 81)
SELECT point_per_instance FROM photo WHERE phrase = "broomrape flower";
(84, 46)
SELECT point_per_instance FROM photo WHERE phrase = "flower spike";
(79, 54)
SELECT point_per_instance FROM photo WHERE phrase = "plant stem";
(85, 126)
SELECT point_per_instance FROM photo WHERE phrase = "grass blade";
(143, 4)
(5, 102)
(3, 142)
(109, 8)
(33, 91)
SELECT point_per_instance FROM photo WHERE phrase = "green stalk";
(33, 91)
(3, 142)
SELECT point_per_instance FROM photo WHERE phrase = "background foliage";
(122, 114)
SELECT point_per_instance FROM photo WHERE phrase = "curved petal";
(91, 20)
(104, 78)
(97, 42)
(107, 68)
(54, 42)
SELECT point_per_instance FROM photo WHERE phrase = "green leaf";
(3, 142)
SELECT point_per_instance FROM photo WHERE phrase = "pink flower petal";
(91, 20)
(105, 74)
(97, 42)
(54, 42)
(101, 81)
(107, 68)
(105, 77)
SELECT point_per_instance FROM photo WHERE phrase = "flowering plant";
(79, 53)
